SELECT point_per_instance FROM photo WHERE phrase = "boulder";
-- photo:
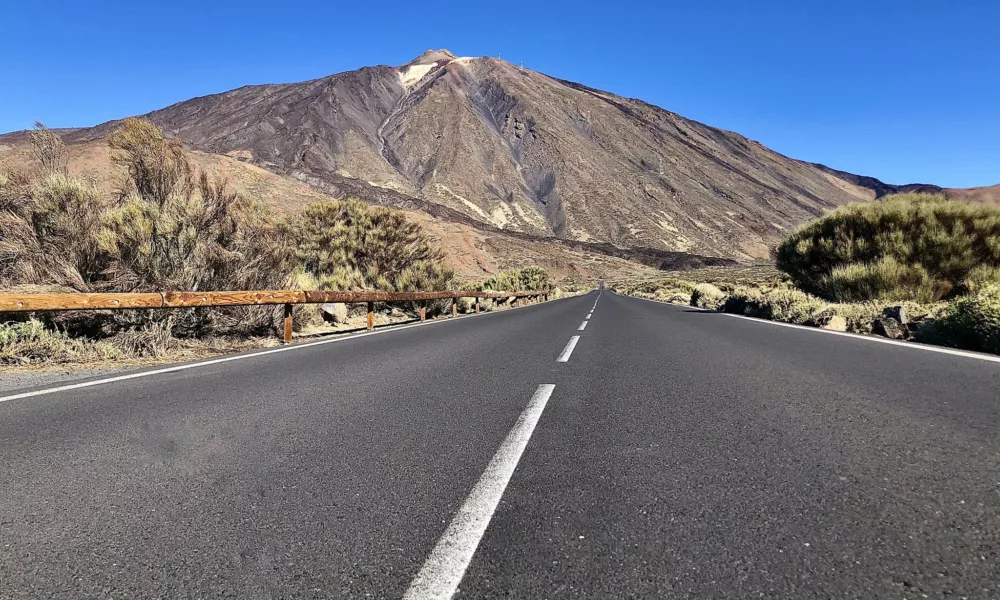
(890, 328)
(334, 313)
(895, 312)
(833, 323)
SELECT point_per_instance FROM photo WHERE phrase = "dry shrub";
(47, 230)
(48, 149)
(173, 229)
(524, 279)
(31, 342)
(706, 295)
(971, 322)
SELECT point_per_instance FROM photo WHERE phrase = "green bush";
(971, 322)
(780, 303)
(746, 300)
(905, 246)
(351, 245)
(885, 279)
(706, 295)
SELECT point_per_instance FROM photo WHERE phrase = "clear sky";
(906, 91)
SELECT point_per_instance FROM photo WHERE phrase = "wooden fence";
(288, 298)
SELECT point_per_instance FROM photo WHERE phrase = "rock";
(334, 313)
(895, 312)
(890, 328)
(833, 323)
(915, 326)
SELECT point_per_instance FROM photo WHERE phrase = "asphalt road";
(672, 454)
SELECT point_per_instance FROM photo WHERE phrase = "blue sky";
(903, 91)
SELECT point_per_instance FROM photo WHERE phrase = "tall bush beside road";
(905, 247)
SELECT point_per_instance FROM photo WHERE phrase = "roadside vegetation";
(911, 266)
(168, 226)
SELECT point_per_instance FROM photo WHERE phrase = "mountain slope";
(518, 150)
(472, 248)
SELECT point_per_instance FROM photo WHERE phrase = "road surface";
(655, 451)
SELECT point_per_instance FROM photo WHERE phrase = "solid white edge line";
(443, 570)
(856, 336)
(216, 361)
(568, 350)
(582, 326)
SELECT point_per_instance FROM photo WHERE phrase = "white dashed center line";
(582, 326)
(568, 350)
(441, 574)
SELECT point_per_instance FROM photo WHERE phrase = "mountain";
(503, 149)
(518, 150)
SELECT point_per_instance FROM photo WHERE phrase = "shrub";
(48, 149)
(525, 279)
(31, 342)
(780, 303)
(706, 295)
(980, 276)
(47, 231)
(971, 322)
(350, 245)
(167, 228)
(903, 246)
(885, 279)
(746, 300)
(672, 295)
(791, 306)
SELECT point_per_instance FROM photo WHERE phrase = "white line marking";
(856, 336)
(582, 326)
(564, 357)
(590, 315)
(216, 361)
(441, 574)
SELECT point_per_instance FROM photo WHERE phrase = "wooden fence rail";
(166, 300)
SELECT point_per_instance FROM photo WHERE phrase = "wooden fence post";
(454, 307)
(371, 316)
(477, 303)
(423, 310)
(288, 323)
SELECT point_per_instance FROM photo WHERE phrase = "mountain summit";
(519, 150)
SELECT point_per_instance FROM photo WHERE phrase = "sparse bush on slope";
(47, 231)
(48, 149)
(971, 322)
(908, 246)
